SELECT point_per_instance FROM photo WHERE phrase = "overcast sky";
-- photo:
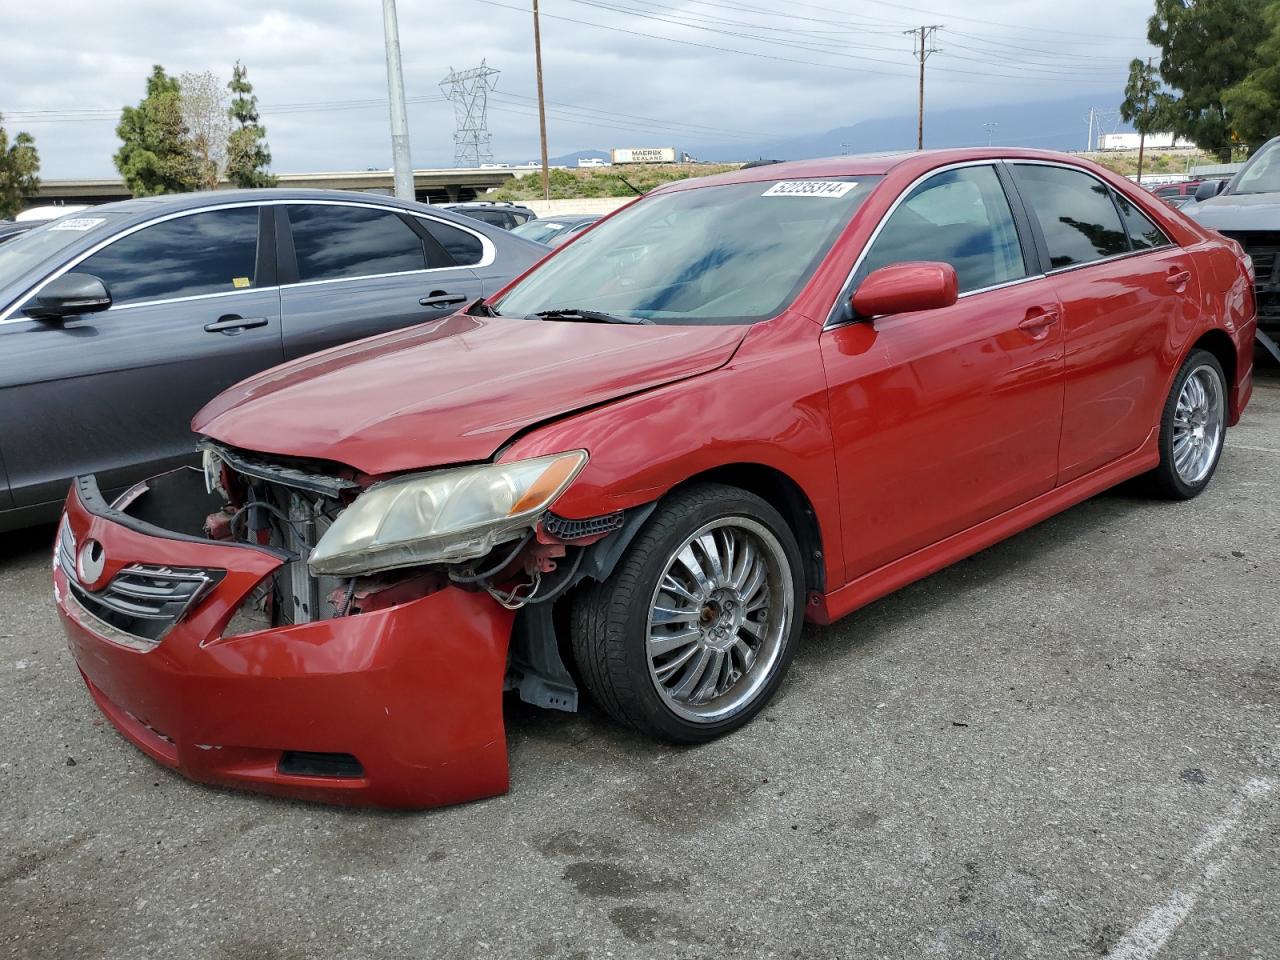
(617, 72)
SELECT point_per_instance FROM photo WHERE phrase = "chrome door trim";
(487, 256)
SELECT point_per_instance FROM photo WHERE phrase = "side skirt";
(915, 566)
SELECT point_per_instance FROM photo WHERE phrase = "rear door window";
(960, 217)
(1079, 222)
(333, 242)
(1143, 234)
(203, 253)
(464, 247)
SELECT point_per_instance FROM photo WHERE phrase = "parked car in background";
(117, 323)
(823, 380)
(1246, 208)
(1179, 202)
(9, 229)
(555, 231)
(502, 214)
(1183, 188)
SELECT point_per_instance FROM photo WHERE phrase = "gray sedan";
(117, 323)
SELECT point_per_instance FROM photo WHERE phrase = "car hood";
(1237, 211)
(452, 391)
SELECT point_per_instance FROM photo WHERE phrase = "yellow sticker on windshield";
(810, 188)
(240, 282)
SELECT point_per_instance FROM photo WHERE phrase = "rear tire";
(1193, 428)
(692, 633)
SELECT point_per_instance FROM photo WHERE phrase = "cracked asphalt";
(1066, 746)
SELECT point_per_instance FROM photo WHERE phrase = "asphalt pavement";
(1066, 746)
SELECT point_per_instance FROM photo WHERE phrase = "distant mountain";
(1051, 125)
(571, 159)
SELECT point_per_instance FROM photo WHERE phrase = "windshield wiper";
(591, 316)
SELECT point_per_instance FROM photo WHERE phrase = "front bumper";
(413, 691)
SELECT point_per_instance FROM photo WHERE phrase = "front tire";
(1192, 428)
(691, 635)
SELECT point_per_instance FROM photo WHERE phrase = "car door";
(350, 271)
(945, 418)
(194, 309)
(1123, 286)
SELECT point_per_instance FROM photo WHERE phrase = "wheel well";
(1220, 345)
(784, 495)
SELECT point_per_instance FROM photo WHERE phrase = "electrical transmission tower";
(469, 91)
(924, 46)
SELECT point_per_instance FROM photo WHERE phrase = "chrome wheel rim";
(718, 619)
(1198, 424)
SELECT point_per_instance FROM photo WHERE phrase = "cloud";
(800, 68)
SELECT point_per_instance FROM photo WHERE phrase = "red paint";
(917, 438)
(447, 391)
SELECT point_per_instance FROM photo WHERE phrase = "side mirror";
(904, 288)
(1210, 189)
(68, 296)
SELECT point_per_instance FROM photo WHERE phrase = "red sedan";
(742, 402)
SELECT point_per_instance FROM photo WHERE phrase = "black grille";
(567, 529)
(142, 600)
(302, 763)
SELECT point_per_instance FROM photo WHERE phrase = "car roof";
(866, 165)
(174, 202)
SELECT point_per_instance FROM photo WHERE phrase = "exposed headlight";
(442, 517)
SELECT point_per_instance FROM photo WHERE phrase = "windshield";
(539, 231)
(1262, 174)
(731, 253)
(32, 248)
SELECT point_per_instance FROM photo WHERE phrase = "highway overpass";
(430, 186)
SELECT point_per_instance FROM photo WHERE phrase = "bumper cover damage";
(407, 698)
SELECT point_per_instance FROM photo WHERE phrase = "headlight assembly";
(442, 517)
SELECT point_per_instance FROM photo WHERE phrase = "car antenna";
(638, 191)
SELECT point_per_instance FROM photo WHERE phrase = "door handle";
(439, 298)
(1178, 279)
(232, 324)
(1037, 322)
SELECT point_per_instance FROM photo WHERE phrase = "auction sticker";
(79, 224)
(810, 188)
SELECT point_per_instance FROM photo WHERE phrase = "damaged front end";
(347, 639)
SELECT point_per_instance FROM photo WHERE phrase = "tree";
(19, 164)
(1143, 105)
(155, 154)
(1207, 47)
(247, 153)
(204, 111)
(1254, 102)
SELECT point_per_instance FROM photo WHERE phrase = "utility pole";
(542, 107)
(990, 127)
(923, 37)
(401, 164)
(1088, 147)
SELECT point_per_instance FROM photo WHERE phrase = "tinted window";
(1075, 213)
(332, 242)
(203, 253)
(961, 217)
(465, 248)
(1143, 234)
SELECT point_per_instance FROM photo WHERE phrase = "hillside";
(576, 184)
